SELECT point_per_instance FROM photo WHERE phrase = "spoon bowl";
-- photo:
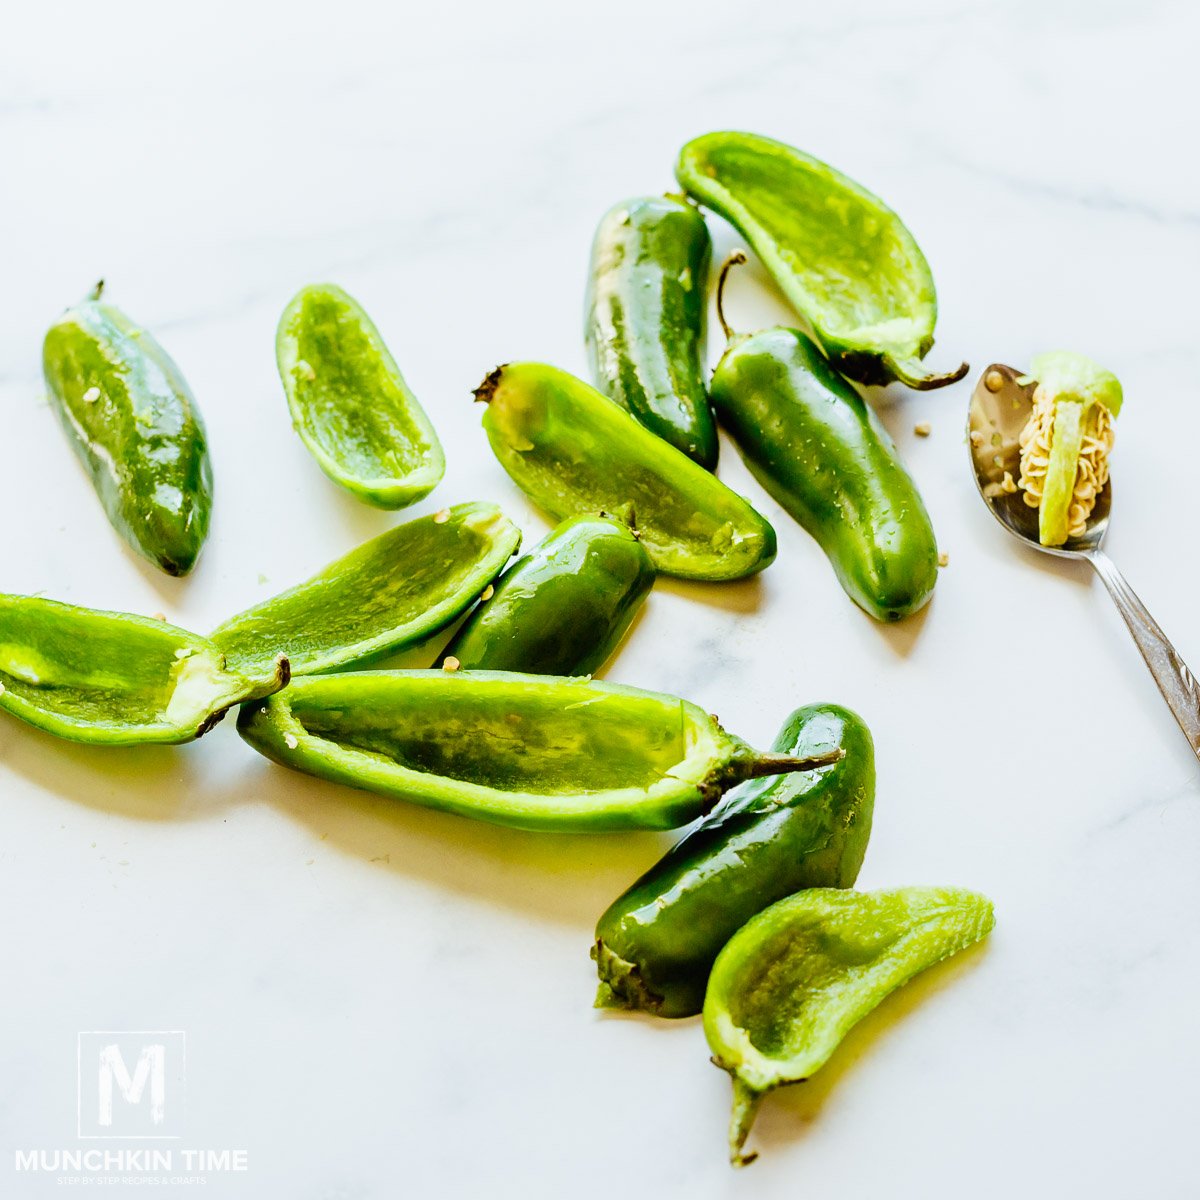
(1000, 408)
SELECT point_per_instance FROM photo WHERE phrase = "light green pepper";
(839, 254)
(116, 679)
(793, 980)
(350, 404)
(528, 751)
(572, 450)
(392, 592)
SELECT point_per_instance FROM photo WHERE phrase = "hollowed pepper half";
(350, 403)
(845, 261)
(116, 679)
(529, 751)
(796, 978)
(392, 592)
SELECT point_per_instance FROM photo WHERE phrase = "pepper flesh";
(133, 423)
(350, 403)
(1077, 400)
(562, 609)
(527, 751)
(392, 592)
(843, 259)
(572, 450)
(810, 439)
(116, 679)
(795, 979)
(645, 310)
(656, 944)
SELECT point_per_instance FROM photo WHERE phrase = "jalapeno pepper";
(350, 403)
(563, 608)
(116, 679)
(394, 591)
(572, 450)
(842, 257)
(529, 751)
(769, 838)
(814, 444)
(794, 980)
(646, 302)
(134, 425)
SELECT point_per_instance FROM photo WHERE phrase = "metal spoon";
(1000, 408)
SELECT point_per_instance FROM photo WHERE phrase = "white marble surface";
(384, 1002)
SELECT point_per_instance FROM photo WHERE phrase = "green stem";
(734, 260)
(911, 371)
(97, 291)
(745, 1108)
(784, 764)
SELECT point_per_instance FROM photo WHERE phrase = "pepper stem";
(734, 260)
(96, 292)
(745, 1108)
(912, 371)
(784, 764)
(487, 389)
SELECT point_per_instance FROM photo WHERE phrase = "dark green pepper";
(796, 978)
(528, 751)
(769, 838)
(134, 425)
(350, 404)
(646, 302)
(810, 439)
(116, 679)
(572, 450)
(392, 592)
(841, 256)
(563, 608)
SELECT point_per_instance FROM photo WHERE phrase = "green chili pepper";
(350, 403)
(814, 444)
(528, 751)
(794, 980)
(562, 609)
(394, 591)
(647, 295)
(842, 257)
(656, 943)
(572, 450)
(114, 678)
(134, 425)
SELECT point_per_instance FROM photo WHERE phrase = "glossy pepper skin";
(116, 679)
(528, 751)
(769, 838)
(350, 403)
(563, 608)
(134, 425)
(572, 450)
(840, 255)
(814, 444)
(645, 314)
(392, 592)
(793, 981)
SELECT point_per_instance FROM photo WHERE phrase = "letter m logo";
(130, 1083)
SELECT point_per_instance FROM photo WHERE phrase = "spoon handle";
(1170, 672)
